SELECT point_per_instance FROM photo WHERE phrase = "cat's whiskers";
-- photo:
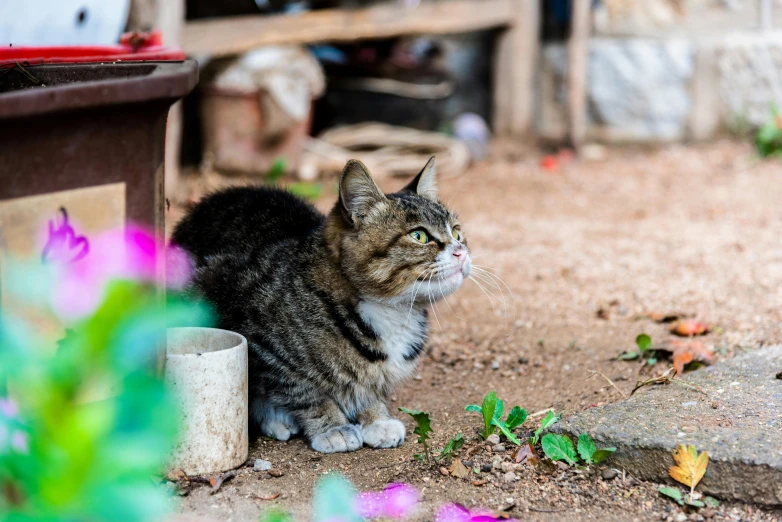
(481, 272)
(446, 299)
(415, 292)
(431, 304)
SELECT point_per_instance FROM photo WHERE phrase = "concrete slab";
(739, 423)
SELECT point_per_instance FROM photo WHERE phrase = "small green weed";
(644, 344)
(548, 420)
(423, 429)
(560, 447)
(768, 140)
(491, 409)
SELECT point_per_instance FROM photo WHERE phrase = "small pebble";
(506, 467)
(510, 477)
(689, 404)
(262, 465)
(495, 364)
(680, 517)
(443, 471)
(485, 468)
(276, 473)
(609, 474)
(716, 404)
(562, 466)
(493, 439)
(467, 463)
(499, 448)
(523, 360)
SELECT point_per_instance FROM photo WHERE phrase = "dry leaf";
(269, 497)
(690, 466)
(524, 453)
(176, 475)
(458, 469)
(689, 327)
(686, 352)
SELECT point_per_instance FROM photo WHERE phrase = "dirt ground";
(693, 229)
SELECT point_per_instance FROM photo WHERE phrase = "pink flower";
(19, 442)
(459, 513)
(132, 253)
(8, 408)
(397, 501)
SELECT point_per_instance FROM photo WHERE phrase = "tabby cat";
(333, 307)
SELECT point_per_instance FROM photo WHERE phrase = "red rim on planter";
(133, 47)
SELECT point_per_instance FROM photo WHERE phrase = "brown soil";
(693, 229)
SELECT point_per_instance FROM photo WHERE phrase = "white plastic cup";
(207, 370)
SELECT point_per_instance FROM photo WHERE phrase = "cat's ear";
(357, 191)
(425, 183)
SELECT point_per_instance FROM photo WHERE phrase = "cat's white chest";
(401, 331)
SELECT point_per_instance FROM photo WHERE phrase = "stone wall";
(662, 90)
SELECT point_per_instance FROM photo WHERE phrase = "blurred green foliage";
(768, 140)
(86, 459)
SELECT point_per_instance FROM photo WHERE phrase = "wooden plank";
(234, 35)
(515, 65)
(578, 49)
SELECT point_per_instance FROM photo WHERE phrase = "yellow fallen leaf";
(690, 466)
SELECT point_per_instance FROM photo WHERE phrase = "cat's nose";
(459, 254)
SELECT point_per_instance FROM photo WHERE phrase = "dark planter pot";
(67, 126)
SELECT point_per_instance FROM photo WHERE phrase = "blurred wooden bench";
(514, 61)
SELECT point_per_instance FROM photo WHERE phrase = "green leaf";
(670, 492)
(559, 447)
(473, 407)
(651, 361)
(643, 341)
(276, 171)
(499, 408)
(505, 431)
(275, 515)
(693, 503)
(602, 454)
(306, 190)
(516, 417)
(488, 408)
(451, 447)
(629, 356)
(586, 447)
(548, 420)
(423, 428)
(711, 502)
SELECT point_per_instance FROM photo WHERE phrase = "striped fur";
(333, 307)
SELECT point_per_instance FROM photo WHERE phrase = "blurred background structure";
(277, 75)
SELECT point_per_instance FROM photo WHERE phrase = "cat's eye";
(420, 236)
(457, 235)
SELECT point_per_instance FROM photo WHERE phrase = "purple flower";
(459, 513)
(132, 253)
(8, 408)
(397, 501)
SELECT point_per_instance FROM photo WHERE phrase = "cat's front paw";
(338, 439)
(386, 433)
